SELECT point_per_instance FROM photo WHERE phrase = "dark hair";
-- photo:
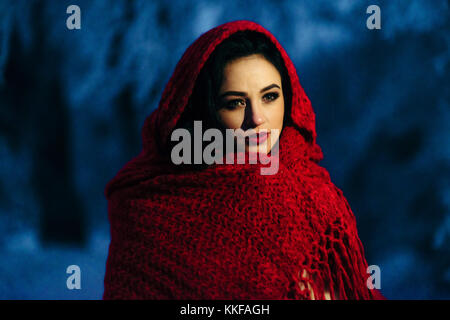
(203, 103)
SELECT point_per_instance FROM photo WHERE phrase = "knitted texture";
(226, 231)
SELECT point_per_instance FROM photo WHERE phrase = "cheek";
(278, 114)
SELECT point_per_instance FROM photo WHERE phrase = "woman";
(222, 230)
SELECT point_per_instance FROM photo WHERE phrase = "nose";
(254, 115)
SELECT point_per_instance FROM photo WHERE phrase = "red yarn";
(226, 231)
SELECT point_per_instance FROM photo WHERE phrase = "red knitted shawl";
(226, 231)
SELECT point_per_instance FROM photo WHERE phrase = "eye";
(271, 96)
(234, 104)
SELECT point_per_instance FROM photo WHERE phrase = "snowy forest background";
(73, 102)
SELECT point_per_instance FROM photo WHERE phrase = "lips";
(258, 138)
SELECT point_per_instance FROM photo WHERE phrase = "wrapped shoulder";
(329, 200)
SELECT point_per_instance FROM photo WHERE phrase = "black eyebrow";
(233, 93)
(243, 94)
(273, 85)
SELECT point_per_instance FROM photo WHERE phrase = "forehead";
(248, 72)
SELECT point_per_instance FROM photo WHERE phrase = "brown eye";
(271, 96)
(234, 104)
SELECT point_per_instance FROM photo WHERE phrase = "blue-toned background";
(72, 104)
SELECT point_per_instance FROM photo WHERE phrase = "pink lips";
(259, 138)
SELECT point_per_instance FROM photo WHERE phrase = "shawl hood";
(159, 125)
(176, 94)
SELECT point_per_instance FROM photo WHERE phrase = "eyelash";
(232, 104)
(274, 96)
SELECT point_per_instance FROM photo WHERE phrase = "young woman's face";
(251, 97)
